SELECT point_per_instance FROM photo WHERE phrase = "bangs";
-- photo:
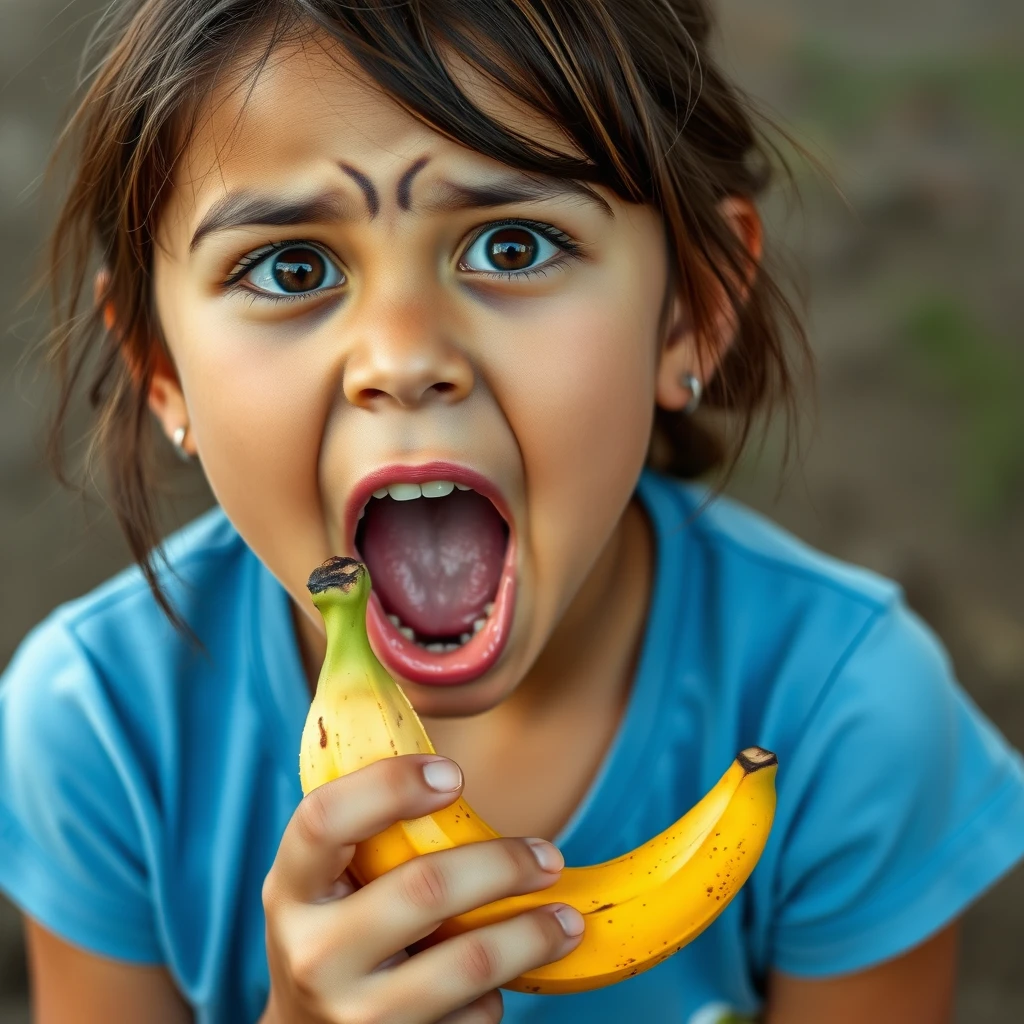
(419, 52)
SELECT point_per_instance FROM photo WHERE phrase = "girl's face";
(349, 298)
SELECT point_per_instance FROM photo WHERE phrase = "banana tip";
(753, 759)
(339, 572)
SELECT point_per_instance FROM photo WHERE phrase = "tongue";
(435, 562)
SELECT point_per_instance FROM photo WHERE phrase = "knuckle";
(269, 893)
(478, 961)
(313, 819)
(549, 932)
(395, 780)
(521, 861)
(305, 972)
(424, 884)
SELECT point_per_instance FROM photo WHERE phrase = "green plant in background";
(984, 381)
(843, 94)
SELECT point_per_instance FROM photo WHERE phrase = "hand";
(337, 953)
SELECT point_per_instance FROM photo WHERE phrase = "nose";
(403, 354)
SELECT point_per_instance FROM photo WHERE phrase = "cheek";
(591, 386)
(256, 405)
(582, 413)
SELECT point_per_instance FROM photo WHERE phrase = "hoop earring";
(696, 389)
(178, 440)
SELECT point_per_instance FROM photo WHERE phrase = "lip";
(405, 657)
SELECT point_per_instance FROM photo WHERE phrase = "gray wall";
(914, 464)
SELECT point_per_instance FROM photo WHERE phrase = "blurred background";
(913, 463)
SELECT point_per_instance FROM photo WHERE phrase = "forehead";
(309, 107)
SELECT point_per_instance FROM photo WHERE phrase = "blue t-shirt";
(144, 787)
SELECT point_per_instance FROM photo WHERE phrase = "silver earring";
(696, 389)
(178, 440)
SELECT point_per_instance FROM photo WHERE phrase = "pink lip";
(405, 657)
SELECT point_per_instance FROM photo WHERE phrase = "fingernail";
(571, 920)
(443, 775)
(548, 857)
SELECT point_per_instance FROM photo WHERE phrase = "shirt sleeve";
(902, 805)
(72, 854)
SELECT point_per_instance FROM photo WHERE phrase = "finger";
(415, 897)
(395, 958)
(320, 838)
(455, 972)
(343, 886)
(488, 1009)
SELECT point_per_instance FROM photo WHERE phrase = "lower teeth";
(434, 646)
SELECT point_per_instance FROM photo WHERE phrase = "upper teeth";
(427, 489)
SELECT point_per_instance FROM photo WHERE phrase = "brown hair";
(630, 82)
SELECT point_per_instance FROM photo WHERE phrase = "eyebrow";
(368, 188)
(245, 208)
(449, 197)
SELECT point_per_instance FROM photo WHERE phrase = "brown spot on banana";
(323, 732)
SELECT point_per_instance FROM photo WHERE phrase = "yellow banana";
(639, 908)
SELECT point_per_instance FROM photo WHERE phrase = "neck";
(592, 654)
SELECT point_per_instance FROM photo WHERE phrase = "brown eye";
(509, 249)
(298, 269)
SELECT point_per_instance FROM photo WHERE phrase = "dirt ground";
(914, 464)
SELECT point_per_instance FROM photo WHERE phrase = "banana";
(639, 908)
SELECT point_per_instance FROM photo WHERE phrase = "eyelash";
(571, 250)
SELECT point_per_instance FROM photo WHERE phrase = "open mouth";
(441, 554)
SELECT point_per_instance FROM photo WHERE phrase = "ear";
(681, 354)
(165, 398)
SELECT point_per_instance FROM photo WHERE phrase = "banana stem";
(340, 588)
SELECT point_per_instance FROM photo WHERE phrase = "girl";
(443, 284)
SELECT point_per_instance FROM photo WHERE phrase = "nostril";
(444, 387)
